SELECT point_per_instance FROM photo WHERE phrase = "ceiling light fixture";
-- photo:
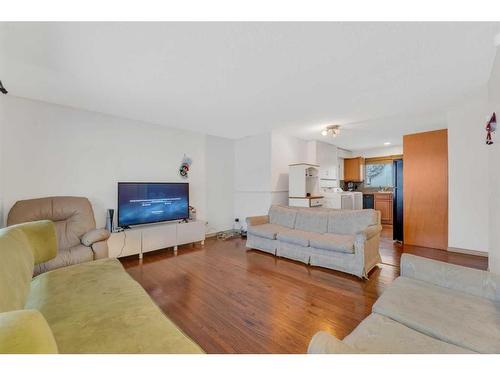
(387, 143)
(332, 131)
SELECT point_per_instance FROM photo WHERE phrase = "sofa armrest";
(25, 332)
(324, 343)
(370, 231)
(257, 220)
(95, 235)
(463, 279)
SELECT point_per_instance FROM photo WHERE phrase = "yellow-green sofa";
(93, 307)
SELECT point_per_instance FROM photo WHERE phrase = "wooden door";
(425, 185)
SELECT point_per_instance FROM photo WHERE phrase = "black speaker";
(109, 219)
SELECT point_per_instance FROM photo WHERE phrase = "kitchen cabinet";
(354, 169)
(328, 173)
(383, 203)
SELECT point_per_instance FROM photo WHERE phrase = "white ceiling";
(378, 80)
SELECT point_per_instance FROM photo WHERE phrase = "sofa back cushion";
(284, 216)
(21, 246)
(311, 220)
(73, 216)
(16, 269)
(351, 221)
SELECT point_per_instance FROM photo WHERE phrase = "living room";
(236, 187)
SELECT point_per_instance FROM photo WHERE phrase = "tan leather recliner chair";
(78, 239)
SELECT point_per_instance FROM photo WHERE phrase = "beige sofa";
(78, 239)
(343, 240)
(433, 307)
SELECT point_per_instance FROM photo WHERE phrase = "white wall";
(494, 170)
(54, 150)
(261, 171)
(252, 167)
(468, 174)
(252, 176)
(285, 150)
(220, 183)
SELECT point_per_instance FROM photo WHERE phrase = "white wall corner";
(468, 206)
(494, 169)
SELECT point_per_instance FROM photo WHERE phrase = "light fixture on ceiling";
(387, 143)
(331, 130)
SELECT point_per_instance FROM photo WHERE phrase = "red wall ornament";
(491, 126)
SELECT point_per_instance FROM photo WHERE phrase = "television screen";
(152, 202)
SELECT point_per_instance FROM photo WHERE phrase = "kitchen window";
(378, 171)
(379, 175)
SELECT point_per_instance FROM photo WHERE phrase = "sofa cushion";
(311, 220)
(335, 242)
(351, 221)
(25, 332)
(378, 334)
(96, 307)
(16, 269)
(266, 230)
(467, 280)
(284, 216)
(455, 317)
(21, 246)
(295, 236)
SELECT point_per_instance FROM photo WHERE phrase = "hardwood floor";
(233, 300)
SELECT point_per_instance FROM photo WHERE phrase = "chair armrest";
(100, 250)
(324, 343)
(370, 231)
(25, 332)
(95, 235)
(463, 279)
(257, 220)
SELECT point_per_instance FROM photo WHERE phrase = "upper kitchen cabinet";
(326, 157)
(354, 169)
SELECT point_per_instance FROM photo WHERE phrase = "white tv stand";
(144, 238)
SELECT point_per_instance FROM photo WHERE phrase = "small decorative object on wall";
(491, 126)
(3, 90)
(185, 165)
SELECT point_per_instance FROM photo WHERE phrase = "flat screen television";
(152, 202)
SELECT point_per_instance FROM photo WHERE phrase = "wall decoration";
(491, 126)
(185, 165)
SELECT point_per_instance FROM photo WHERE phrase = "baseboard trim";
(468, 252)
